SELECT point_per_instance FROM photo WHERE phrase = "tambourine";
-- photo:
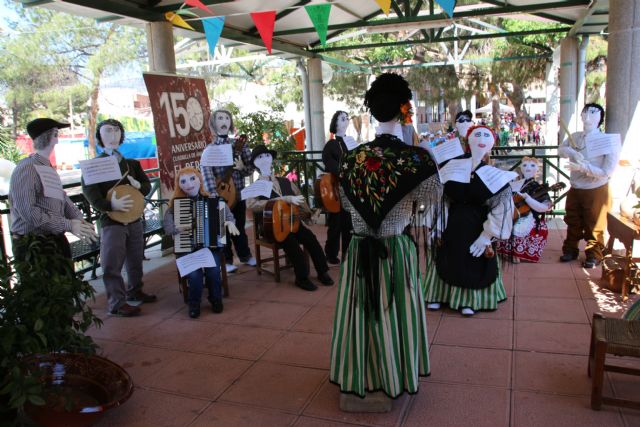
(136, 210)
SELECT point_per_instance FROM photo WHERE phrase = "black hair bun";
(385, 96)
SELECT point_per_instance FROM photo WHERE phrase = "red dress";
(527, 246)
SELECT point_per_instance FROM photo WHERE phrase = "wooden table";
(626, 232)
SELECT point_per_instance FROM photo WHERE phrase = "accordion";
(205, 216)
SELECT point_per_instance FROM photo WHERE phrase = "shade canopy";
(489, 109)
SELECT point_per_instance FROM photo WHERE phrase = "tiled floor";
(264, 361)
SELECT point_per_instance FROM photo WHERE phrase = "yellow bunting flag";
(177, 21)
(385, 5)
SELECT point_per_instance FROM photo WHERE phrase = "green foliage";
(8, 148)
(44, 310)
(264, 127)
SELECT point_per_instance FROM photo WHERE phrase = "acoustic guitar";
(522, 208)
(327, 193)
(225, 186)
(280, 218)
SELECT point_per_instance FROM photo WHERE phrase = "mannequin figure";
(33, 211)
(588, 199)
(379, 340)
(120, 244)
(469, 275)
(530, 230)
(464, 120)
(339, 223)
(262, 158)
(221, 124)
(189, 183)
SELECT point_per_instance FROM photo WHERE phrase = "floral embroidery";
(373, 171)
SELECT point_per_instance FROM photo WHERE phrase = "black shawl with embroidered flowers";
(377, 175)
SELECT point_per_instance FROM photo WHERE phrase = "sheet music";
(51, 184)
(458, 170)
(495, 178)
(217, 155)
(599, 144)
(100, 169)
(198, 259)
(350, 142)
(449, 149)
(261, 187)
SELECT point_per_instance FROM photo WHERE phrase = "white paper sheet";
(350, 142)
(217, 155)
(51, 184)
(458, 170)
(599, 144)
(100, 169)
(260, 187)
(495, 178)
(198, 259)
(447, 150)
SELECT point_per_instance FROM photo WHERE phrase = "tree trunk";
(93, 116)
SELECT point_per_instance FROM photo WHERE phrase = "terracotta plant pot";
(79, 388)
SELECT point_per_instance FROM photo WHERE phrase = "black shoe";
(325, 279)
(333, 261)
(306, 284)
(194, 311)
(125, 310)
(591, 262)
(142, 297)
(217, 306)
(568, 257)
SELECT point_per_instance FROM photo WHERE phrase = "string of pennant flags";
(265, 21)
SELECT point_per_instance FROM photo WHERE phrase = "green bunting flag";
(319, 15)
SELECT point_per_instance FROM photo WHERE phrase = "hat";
(37, 127)
(262, 149)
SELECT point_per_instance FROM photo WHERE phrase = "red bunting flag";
(198, 4)
(265, 22)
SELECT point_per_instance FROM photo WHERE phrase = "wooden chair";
(274, 247)
(611, 336)
(184, 286)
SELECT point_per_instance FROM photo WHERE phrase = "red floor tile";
(318, 320)
(454, 405)
(227, 414)
(557, 271)
(319, 422)
(287, 292)
(464, 365)
(242, 342)
(551, 337)
(301, 349)
(550, 410)
(551, 373)
(550, 309)
(475, 332)
(547, 287)
(198, 375)
(148, 408)
(253, 289)
(271, 315)
(125, 328)
(607, 306)
(272, 385)
(326, 405)
(176, 334)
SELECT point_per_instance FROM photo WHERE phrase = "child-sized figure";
(189, 183)
(530, 229)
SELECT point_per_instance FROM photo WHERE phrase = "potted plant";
(43, 317)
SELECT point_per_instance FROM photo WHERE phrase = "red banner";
(180, 107)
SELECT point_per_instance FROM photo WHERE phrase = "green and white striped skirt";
(633, 313)
(390, 351)
(437, 290)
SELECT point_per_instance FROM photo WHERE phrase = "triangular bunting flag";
(198, 4)
(177, 21)
(265, 21)
(212, 29)
(187, 12)
(385, 5)
(447, 6)
(319, 15)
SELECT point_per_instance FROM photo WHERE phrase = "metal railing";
(308, 166)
